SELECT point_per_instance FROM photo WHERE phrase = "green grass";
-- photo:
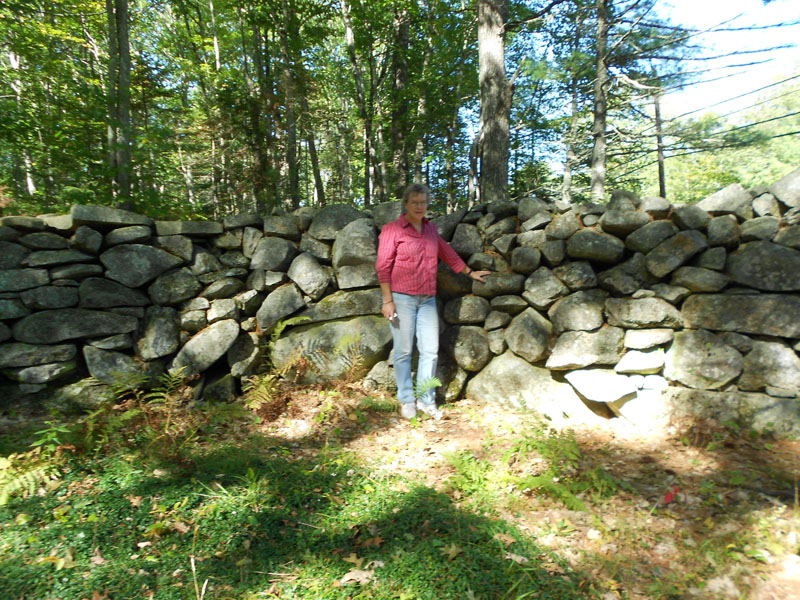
(255, 520)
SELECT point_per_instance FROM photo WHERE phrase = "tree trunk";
(662, 180)
(120, 99)
(398, 174)
(495, 93)
(569, 163)
(598, 175)
(293, 183)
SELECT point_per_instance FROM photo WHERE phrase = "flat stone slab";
(759, 314)
(136, 264)
(766, 266)
(104, 217)
(206, 347)
(53, 326)
(193, 228)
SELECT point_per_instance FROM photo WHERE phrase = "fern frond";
(24, 481)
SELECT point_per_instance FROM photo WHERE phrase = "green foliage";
(21, 474)
(423, 386)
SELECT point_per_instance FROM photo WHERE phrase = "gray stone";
(49, 258)
(234, 259)
(497, 320)
(535, 239)
(97, 292)
(509, 304)
(41, 373)
(331, 219)
(357, 276)
(53, 326)
(242, 220)
(321, 346)
(104, 218)
(82, 396)
(601, 385)
(197, 304)
(656, 206)
(690, 216)
(273, 254)
(43, 240)
(525, 260)
(542, 288)
(355, 248)
(562, 226)
(174, 287)
(761, 228)
(766, 204)
(624, 200)
(497, 342)
(75, 272)
(650, 235)
(502, 208)
(223, 288)
(229, 240)
(671, 293)
(742, 343)
(466, 240)
(626, 278)
(453, 379)
(22, 223)
(282, 226)
(466, 310)
(501, 228)
(698, 279)
(130, 311)
(595, 246)
(528, 334)
(206, 347)
(278, 305)
(639, 362)
(12, 255)
(5, 332)
(381, 378)
(135, 264)
(553, 252)
(592, 209)
(758, 314)
(504, 243)
(510, 380)
(215, 276)
(450, 284)
(265, 281)
(699, 359)
(16, 280)
(675, 251)
(204, 262)
(580, 311)
(28, 355)
(160, 334)
(47, 297)
(133, 234)
(121, 341)
(765, 266)
(86, 239)
(344, 304)
(8, 234)
(191, 228)
(446, 224)
(621, 223)
(468, 346)
(483, 261)
(249, 301)
(223, 308)
(528, 207)
(319, 250)
(499, 284)
(787, 189)
(179, 245)
(732, 199)
(577, 275)
(484, 222)
(643, 313)
(713, 258)
(724, 231)
(386, 212)
(537, 221)
(13, 308)
(221, 389)
(577, 349)
(250, 238)
(193, 321)
(644, 339)
(789, 236)
(770, 364)
(113, 368)
(304, 216)
(246, 355)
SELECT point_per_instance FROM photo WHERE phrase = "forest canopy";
(193, 109)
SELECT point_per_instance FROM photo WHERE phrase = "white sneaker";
(408, 410)
(430, 410)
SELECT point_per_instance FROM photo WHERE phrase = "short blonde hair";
(416, 188)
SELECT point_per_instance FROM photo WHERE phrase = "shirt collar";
(406, 223)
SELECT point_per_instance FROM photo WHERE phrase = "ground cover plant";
(333, 496)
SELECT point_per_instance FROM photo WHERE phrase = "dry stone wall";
(637, 309)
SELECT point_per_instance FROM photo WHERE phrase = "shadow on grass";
(259, 523)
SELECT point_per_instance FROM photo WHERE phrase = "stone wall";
(636, 309)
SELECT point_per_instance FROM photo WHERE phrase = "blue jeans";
(415, 315)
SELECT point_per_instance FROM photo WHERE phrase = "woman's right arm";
(387, 251)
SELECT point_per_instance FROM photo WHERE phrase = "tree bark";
(598, 172)
(398, 174)
(119, 101)
(495, 93)
(662, 180)
(293, 183)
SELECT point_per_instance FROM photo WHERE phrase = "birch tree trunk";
(598, 172)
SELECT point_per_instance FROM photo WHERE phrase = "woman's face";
(416, 206)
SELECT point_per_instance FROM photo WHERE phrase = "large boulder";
(787, 189)
(577, 349)
(468, 346)
(114, 368)
(49, 296)
(206, 347)
(16, 280)
(331, 219)
(282, 226)
(105, 218)
(53, 326)
(642, 313)
(466, 310)
(342, 304)
(675, 251)
(770, 364)
(595, 246)
(98, 292)
(543, 288)
(354, 253)
(273, 254)
(580, 311)
(759, 314)
(174, 287)
(320, 348)
(699, 359)
(601, 385)
(466, 240)
(499, 284)
(766, 266)
(732, 199)
(192, 228)
(28, 355)
(136, 264)
(528, 335)
(279, 304)
(309, 275)
(160, 336)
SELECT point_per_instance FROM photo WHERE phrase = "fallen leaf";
(97, 558)
(134, 500)
(357, 576)
(354, 560)
(504, 538)
(144, 544)
(451, 551)
(373, 541)
(671, 495)
(516, 558)
(181, 527)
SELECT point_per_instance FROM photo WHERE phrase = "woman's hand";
(388, 310)
(478, 275)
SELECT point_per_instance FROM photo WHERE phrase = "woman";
(408, 253)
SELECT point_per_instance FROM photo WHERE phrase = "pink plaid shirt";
(408, 259)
